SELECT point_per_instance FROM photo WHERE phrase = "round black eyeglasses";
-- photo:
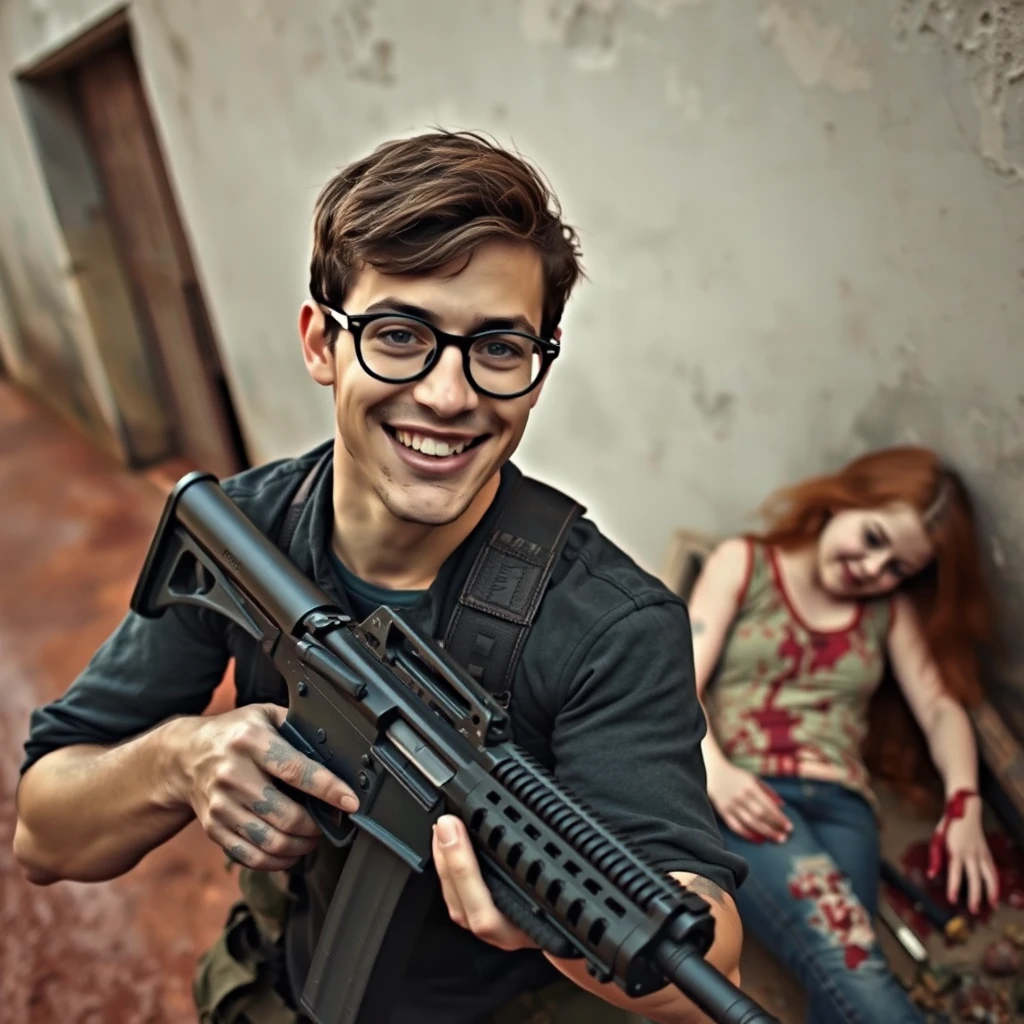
(397, 348)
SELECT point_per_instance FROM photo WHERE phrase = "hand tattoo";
(237, 854)
(270, 804)
(278, 753)
(281, 754)
(256, 832)
(705, 887)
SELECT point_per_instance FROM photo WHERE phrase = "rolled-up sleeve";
(147, 671)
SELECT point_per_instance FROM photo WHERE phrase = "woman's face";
(867, 552)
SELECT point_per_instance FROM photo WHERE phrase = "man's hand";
(228, 764)
(470, 906)
(469, 900)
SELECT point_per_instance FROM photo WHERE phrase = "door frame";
(148, 415)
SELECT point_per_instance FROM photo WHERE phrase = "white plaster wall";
(802, 221)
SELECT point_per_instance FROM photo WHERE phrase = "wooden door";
(156, 258)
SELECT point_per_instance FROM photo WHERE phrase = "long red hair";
(951, 595)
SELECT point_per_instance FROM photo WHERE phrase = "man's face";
(394, 436)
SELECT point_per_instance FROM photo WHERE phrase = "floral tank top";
(789, 700)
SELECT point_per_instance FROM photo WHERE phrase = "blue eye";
(396, 336)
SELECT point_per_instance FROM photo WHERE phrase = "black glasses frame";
(356, 323)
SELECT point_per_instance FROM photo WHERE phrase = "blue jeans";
(812, 901)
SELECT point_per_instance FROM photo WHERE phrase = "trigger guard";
(336, 825)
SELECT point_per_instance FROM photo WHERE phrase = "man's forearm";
(670, 1006)
(89, 813)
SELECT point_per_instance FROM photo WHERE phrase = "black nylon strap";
(291, 518)
(503, 590)
(506, 583)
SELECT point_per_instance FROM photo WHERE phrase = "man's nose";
(445, 390)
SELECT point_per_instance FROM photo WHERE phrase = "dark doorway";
(114, 199)
(155, 257)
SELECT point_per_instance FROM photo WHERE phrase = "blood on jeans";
(835, 912)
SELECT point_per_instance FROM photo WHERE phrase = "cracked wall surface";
(802, 223)
(984, 40)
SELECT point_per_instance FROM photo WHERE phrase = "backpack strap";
(504, 588)
(290, 523)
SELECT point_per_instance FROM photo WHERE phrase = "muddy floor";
(73, 533)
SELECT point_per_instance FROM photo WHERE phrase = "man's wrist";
(174, 759)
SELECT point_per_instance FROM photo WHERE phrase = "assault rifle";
(390, 712)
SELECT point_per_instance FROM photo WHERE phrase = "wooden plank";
(155, 255)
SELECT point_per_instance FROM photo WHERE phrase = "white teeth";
(429, 445)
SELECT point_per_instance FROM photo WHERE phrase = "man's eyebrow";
(481, 323)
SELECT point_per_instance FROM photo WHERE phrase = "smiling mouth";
(851, 580)
(438, 447)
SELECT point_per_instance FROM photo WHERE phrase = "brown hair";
(415, 204)
(951, 595)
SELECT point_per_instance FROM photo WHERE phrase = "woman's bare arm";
(950, 737)
(712, 606)
(745, 803)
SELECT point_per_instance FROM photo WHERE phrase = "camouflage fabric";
(234, 980)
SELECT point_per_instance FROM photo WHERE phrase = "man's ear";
(319, 356)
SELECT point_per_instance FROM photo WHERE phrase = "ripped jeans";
(812, 900)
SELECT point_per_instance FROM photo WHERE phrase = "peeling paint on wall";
(664, 8)
(987, 37)
(817, 54)
(366, 55)
(589, 30)
(594, 33)
(715, 407)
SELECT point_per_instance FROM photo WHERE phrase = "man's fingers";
(228, 810)
(469, 900)
(275, 713)
(445, 861)
(270, 840)
(275, 807)
(284, 762)
(243, 852)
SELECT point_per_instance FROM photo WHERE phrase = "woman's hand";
(746, 804)
(960, 840)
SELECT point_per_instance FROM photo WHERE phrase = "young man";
(440, 271)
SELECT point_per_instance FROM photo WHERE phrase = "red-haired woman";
(792, 630)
